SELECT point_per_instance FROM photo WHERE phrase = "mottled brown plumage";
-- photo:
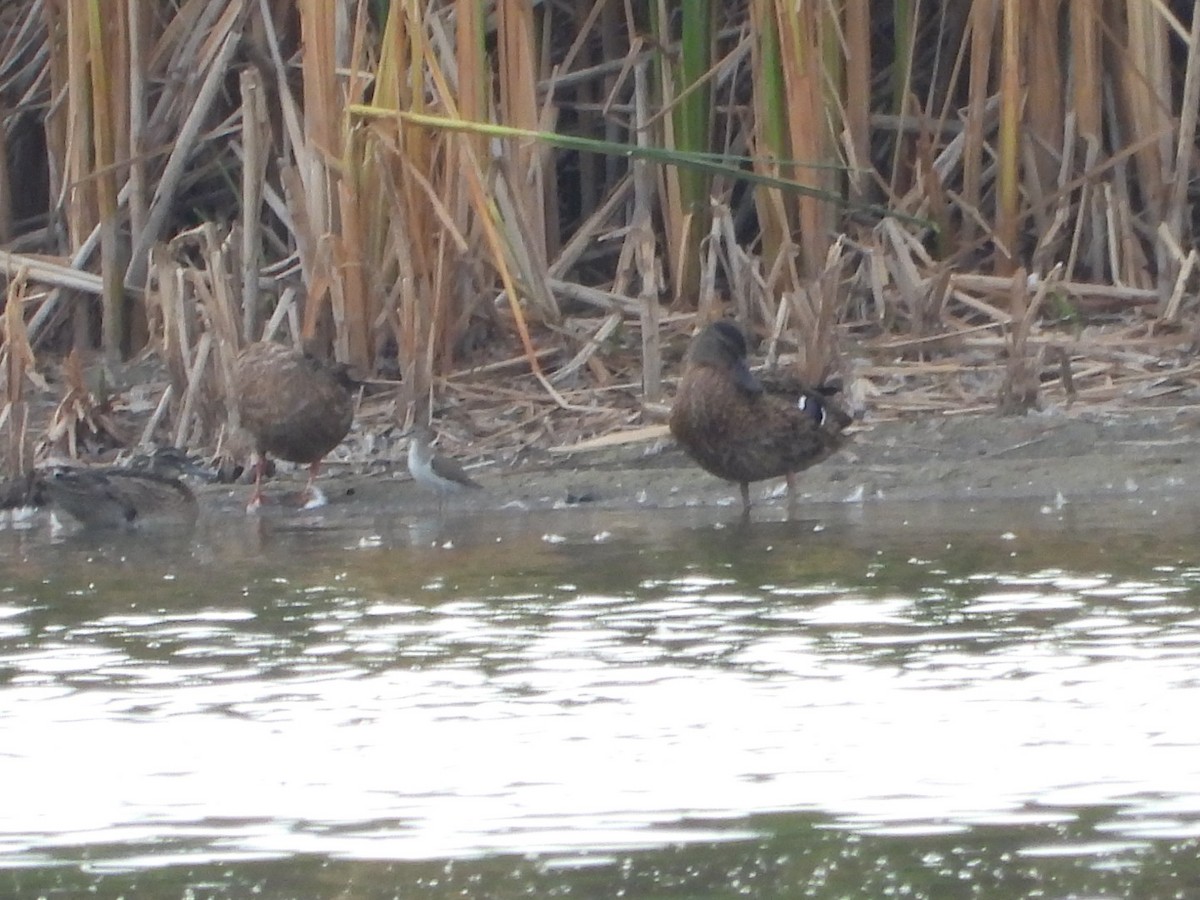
(109, 497)
(740, 429)
(295, 406)
(21, 491)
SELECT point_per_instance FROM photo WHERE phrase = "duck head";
(722, 345)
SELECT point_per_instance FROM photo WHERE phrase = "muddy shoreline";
(1053, 457)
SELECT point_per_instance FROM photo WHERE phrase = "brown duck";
(742, 429)
(110, 497)
(295, 406)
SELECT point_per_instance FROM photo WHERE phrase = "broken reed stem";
(642, 235)
(195, 379)
(17, 356)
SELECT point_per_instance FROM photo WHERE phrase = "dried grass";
(514, 286)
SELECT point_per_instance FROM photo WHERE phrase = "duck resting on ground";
(744, 429)
(296, 407)
(112, 497)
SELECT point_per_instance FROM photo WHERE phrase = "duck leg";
(313, 496)
(745, 486)
(257, 499)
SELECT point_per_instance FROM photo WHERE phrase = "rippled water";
(921, 701)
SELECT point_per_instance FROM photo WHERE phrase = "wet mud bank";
(1052, 457)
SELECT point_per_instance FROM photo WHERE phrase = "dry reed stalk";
(471, 167)
(516, 82)
(105, 37)
(747, 285)
(285, 310)
(609, 326)
(136, 144)
(899, 91)
(79, 416)
(1045, 91)
(523, 361)
(416, 374)
(521, 243)
(641, 235)
(219, 279)
(799, 75)
(857, 115)
(1087, 68)
(1145, 86)
(1053, 234)
(1008, 161)
(350, 301)
(21, 38)
(320, 27)
(46, 271)
(191, 394)
(425, 209)
(77, 209)
(315, 205)
(213, 59)
(602, 300)
(6, 179)
(360, 249)
(708, 303)
(1180, 165)
(817, 308)
(800, 31)
(18, 359)
(1022, 376)
(255, 149)
(984, 15)
(666, 90)
(590, 230)
(175, 332)
(209, 400)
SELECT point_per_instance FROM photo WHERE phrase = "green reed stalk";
(770, 114)
(727, 165)
(693, 130)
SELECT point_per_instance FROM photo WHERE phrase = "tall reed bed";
(436, 188)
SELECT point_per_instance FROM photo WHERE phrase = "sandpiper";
(437, 472)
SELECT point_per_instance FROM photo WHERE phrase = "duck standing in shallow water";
(295, 406)
(740, 429)
(433, 470)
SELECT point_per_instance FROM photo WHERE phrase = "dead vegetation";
(512, 214)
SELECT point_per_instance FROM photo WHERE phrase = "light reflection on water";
(348, 694)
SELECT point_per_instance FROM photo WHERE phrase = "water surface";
(867, 699)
